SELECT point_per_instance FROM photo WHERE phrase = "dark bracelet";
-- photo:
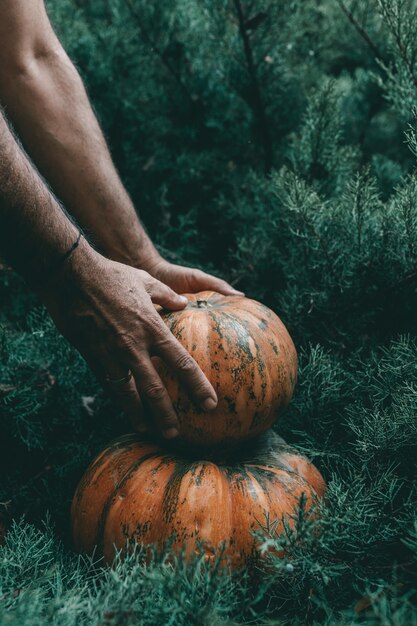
(55, 266)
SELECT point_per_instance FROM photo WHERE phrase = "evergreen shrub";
(275, 144)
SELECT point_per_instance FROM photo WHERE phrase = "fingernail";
(209, 404)
(171, 433)
(184, 299)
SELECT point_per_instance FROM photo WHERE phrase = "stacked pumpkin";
(228, 473)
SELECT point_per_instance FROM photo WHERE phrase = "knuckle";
(185, 364)
(149, 281)
(161, 334)
(142, 275)
(126, 341)
(153, 323)
(155, 391)
(130, 344)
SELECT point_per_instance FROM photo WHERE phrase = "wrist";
(74, 271)
(136, 251)
(146, 258)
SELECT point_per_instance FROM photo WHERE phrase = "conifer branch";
(159, 53)
(361, 31)
(402, 49)
(258, 103)
(322, 244)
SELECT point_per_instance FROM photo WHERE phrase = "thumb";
(164, 296)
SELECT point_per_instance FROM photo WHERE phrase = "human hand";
(106, 310)
(189, 280)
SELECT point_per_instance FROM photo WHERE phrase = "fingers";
(155, 395)
(164, 295)
(120, 386)
(190, 374)
(126, 396)
(150, 386)
(202, 282)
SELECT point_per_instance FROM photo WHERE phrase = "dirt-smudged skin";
(136, 489)
(247, 354)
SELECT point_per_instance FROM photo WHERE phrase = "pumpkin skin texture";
(136, 489)
(248, 356)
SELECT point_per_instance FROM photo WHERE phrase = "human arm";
(49, 107)
(104, 308)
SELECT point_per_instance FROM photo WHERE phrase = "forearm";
(34, 230)
(48, 105)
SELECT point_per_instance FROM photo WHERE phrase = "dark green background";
(292, 175)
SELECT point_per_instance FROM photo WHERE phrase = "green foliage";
(269, 142)
(40, 583)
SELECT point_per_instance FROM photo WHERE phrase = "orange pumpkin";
(247, 354)
(136, 489)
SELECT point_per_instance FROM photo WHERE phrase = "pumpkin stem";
(201, 304)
